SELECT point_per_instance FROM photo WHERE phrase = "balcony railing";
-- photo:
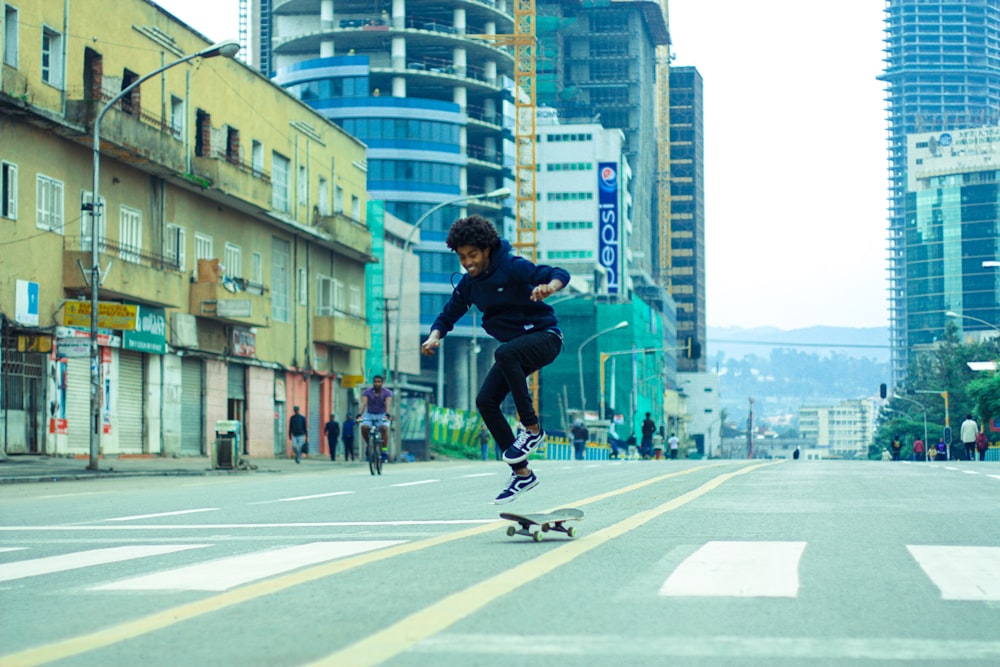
(131, 273)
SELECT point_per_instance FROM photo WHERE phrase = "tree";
(985, 392)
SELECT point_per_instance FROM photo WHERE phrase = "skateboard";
(533, 525)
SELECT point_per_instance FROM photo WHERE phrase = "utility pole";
(750, 431)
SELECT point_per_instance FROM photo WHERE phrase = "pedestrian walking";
(297, 433)
(510, 291)
(674, 442)
(897, 447)
(657, 446)
(347, 435)
(484, 442)
(332, 431)
(919, 450)
(648, 428)
(968, 432)
(982, 445)
(580, 436)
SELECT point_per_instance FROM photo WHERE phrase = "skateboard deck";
(533, 525)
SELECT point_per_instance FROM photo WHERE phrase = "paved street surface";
(677, 562)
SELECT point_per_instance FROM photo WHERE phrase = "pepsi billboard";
(608, 227)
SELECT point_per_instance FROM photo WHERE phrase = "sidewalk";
(38, 468)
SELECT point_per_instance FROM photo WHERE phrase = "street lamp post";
(494, 194)
(229, 49)
(579, 357)
(952, 313)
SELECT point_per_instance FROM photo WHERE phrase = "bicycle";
(374, 451)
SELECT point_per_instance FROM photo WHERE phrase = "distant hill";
(785, 369)
(737, 342)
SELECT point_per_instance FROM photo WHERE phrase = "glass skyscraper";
(942, 74)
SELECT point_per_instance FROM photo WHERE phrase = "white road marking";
(481, 474)
(222, 526)
(618, 648)
(79, 559)
(971, 472)
(161, 514)
(3, 549)
(226, 573)
(423, 481)
(295, 498)
(961, 573)
(738, 569)
(994, 476)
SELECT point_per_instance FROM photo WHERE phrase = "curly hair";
(475, 231)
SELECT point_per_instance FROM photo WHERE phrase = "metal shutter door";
(78, 403)
(314, 426)
(235, 382)
(192, 417)
(131, 412)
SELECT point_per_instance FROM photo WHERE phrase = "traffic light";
(883, 391)
(693, 348)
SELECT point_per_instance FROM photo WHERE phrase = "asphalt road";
(680, 563)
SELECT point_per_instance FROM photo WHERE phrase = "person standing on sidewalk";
(968, 433)
(297, 431)
(347, 434)
(580, 435)
(510, 291)
(332, 430)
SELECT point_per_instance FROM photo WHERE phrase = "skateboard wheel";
(537, 536)
(510, 531)
(546, 528)
(571, 532)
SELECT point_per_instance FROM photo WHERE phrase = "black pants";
(514, 361)
(349, 448)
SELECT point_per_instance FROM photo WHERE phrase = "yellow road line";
(397, 638)
(118, 633)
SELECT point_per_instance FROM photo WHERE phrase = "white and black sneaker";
(525, 443)
(516, 486)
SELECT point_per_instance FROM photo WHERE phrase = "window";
(338, 297)
(8, 190)
(257, 157)
(338, 200)
(86, 197)
(175, 246)
(257, 268)
(324, 296)
(280, 166)
(280, 256)
(232, 144)
(52, 57)
(49, 204)
(303, 186)
(355, 208)
(10, 36)
(131, 102)
(303, 288)
(233, 261)
(324, 196)
(177, 117)
(204, 248)
(354, 306)
(130, 234)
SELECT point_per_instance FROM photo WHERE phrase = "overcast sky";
(795, 154)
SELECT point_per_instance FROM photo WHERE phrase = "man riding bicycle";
(375, 404)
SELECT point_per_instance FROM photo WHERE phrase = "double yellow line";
(397, 638)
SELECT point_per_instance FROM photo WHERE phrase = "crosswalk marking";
(225, 573)
(79, 559)
(738, 569)
(961, 573)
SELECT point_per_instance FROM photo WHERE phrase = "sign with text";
(150, 333)
(109, 315)
(608, 227)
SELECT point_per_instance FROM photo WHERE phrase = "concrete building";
(232, 236)
(687, 212)
(942, 74)
(952, 227)
(844, 430)
(424, 89)
(704, 411)
(574, 160)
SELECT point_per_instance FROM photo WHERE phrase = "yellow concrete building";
(231, 224)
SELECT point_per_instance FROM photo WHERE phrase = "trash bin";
(226, 452)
